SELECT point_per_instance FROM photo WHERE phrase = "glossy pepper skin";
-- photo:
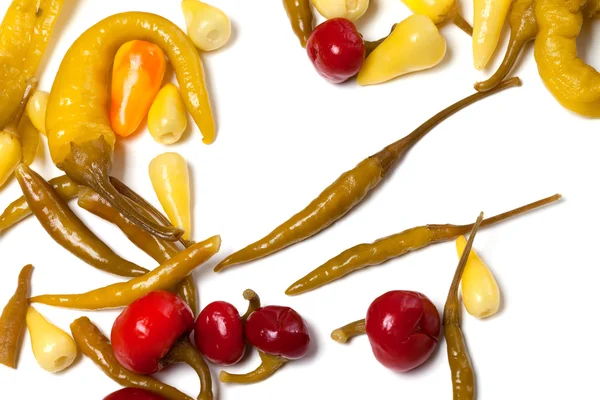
(387, 248)
(138, 71)
(12, 320)
(403, 328)
(67, 229)
(572, 82)
(346, 192)
(440, 11)
(207, 26)
(79, 134)
(488, 21)
(94, 345)
(336, 50)
(167, 117)
(164, 277)
(133, 394)
(301, 17)
(29, 136)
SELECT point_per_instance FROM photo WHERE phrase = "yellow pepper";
(207, 26)
(575, 84)
(36, 110)
(415, 44)
(53, 348)
(480, 291)
(488, 21)
(29, 137)
(171, 181)
(167, 119)
(440, 11)
(350, 9)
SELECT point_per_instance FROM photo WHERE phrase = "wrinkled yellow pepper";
(171, 182)
(480, 291)
(488, 21)
(350, 9)
(415, 44)
(207, 26)
(167, 118)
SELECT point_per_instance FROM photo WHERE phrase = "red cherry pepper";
(133, 394)
(336, 49)
(219, 333)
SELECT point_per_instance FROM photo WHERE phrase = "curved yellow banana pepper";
(440, 11)
(575, 84)
(488, 21)
(415, 44)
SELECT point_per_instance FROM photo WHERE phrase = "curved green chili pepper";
(301, 18)
(184, 352)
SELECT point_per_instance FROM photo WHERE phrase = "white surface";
(285, 134)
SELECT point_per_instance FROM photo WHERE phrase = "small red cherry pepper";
(133, 394)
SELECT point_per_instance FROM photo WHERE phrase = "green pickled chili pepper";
(67, 229)
(268, 366)
(384, 249)
(463, 379)
(94, 345)
(185, 352)
(301, 17)
(12, 320)
(348, 190)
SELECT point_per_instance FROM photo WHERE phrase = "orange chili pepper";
(138, 72)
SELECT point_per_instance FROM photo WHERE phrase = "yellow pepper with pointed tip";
(36, 110)
(350, 9)
(167, 118)
(415, 44)
(53, 348)
(207, 26)
(171, 181)
(488, 21)
(480, 291)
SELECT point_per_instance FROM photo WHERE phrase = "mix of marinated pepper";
(111, 80)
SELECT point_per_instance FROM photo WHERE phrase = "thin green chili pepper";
(184, 352)
(12, 320)
(268, 366)
(384, 249)
(301, 18)
(347, 332)
(348, 190)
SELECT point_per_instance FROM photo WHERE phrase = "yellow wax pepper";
(171, 181)
(53, 348)
(349, 9)
(480, 291)
(207, 26)
(29, 136)
(36, 110)
(415, 44)
(439, 11)
(488, 21)
(167, 118)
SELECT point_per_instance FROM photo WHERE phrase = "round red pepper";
(147, 329)
(133, 394)
(403, 328)
(336, 49)
(219, 333)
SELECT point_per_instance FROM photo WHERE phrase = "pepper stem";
(184, 352)
(370, 46)
(515, 46)
(347, 332)
(388, 156)
(253, 303)
(269, 365)
(13, 126)
(459, 21)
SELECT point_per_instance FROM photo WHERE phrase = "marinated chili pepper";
(67, 229)
(29, 137)
(440, 11)
(167, 118)
(463, 379)
(571, 81)
(488, 21)
(279, 334)
(94, 345)
(351, 10)
(133, 394)
(523, 29)
(207, 26)
(12, 320)
(19, 209)
(79, 134)
(301, 18)
(53, 349)
(384, 249)
(36, 110)
(164, 277)
(403, 328)
(158, 249)
(138, 71)
(415, 44)
(347, 191)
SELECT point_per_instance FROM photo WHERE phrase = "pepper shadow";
(368, 19)
(585, 44)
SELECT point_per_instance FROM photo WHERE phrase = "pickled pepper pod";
(440, 11)
(29, 136)
(167, 118)
(53, 349)
(352, 10)
(207, 26)
(36, 110)
(301, 17)
(488, 21)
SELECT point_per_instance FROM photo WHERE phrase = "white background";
(284, 134)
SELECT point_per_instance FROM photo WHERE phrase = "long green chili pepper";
(184, 352)
(463, 379)
(67, 229)
(301, 17)
(97, 348)
(12, 320)
(158, 249)
(18, 210)
(121, 294)
(384, 249)
(348, 190)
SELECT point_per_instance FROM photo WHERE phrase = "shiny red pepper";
(133, 394)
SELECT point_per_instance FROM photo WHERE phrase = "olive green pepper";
(301, 18)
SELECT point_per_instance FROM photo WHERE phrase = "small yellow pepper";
(350, 9)
(53, 348)
(480, 291)
(207, 26)
(171, 181)
(167, 118)
(488, 21)
(29, 137)
(415, 44)
(36, 110)
(440, 11)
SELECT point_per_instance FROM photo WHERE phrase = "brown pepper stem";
(370, 46)
(515, 46)
(13, 126)
(459, 21)
(347, 332)
(253, 303)
(392, 153)
(184, 352)
(269, 365)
